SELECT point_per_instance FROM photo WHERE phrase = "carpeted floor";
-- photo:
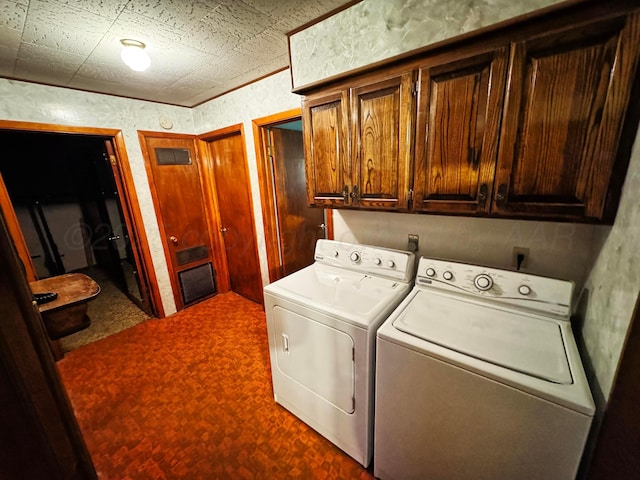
(110, 312)
(190, 397)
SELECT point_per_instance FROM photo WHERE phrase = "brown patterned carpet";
(190, 397)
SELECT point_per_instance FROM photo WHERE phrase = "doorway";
(69, 201)
(291, 226)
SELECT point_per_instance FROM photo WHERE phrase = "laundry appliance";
(478, 376)
(321, 324)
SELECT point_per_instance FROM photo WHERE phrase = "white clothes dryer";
(321, 323)
(478, 376)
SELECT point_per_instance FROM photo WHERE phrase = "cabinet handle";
(502, 195)
(482, 195)
(345, 194)
(355, 194)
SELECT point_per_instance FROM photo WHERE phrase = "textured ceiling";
(199, 49)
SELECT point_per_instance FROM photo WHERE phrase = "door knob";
(173, 239)
(322, 226)
(224, 230)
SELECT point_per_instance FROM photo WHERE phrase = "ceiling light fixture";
(134, 55)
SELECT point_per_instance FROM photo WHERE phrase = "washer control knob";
(377, 261)
(448, 275)
(431, 272)
(483, 282)
(524, 289)
(391, 264)
(335, 253)
(355, 257)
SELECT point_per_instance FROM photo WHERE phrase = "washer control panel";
(387, 262)
(535, 292)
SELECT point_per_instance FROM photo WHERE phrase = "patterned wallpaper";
(373, 30)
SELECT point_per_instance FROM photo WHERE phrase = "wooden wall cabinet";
(527, 123)
(459, 112)
(358, 144)
(326, 149)
(565, 105)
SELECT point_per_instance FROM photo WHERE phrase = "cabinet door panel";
(325, 127)
(459, 111)
(382, 118)
(566, 106)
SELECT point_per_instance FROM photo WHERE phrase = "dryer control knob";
(483, 282)
(391, 264)
(377, 261)
(355, 257)
(335, 253)
(448, 275)
(430, 272)
(524, 289)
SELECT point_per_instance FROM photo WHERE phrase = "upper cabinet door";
(459, 110)
(567, 98)
(326, 145)
(382, 139)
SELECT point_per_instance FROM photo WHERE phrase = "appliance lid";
(522, 342)
(344, 290)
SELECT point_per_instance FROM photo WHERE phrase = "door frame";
(128, 200)
(203, 141)
(267, 193)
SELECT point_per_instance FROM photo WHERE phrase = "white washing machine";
(478, 377)
(321, 323)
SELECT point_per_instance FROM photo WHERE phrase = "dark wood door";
(459, 111)
(299, 224)
(236, 215)
(382, 139)
(326, 139)
(180, 207)
(618, 443)
(567, 96)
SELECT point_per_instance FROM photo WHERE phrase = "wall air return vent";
(173, 156)
(197, 283)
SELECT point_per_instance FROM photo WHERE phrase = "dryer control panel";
(369, 259)
(524, 290)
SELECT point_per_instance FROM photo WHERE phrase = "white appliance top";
(354, 282)
(522, 342)
(509, 326)
(499, 316)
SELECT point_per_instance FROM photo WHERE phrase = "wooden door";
(567, 96)
(382, 140)
(299, 224)
(173, 168)
(326, 139)
(231, 176)
(459, 111)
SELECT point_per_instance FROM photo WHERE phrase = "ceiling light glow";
(134, 55)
